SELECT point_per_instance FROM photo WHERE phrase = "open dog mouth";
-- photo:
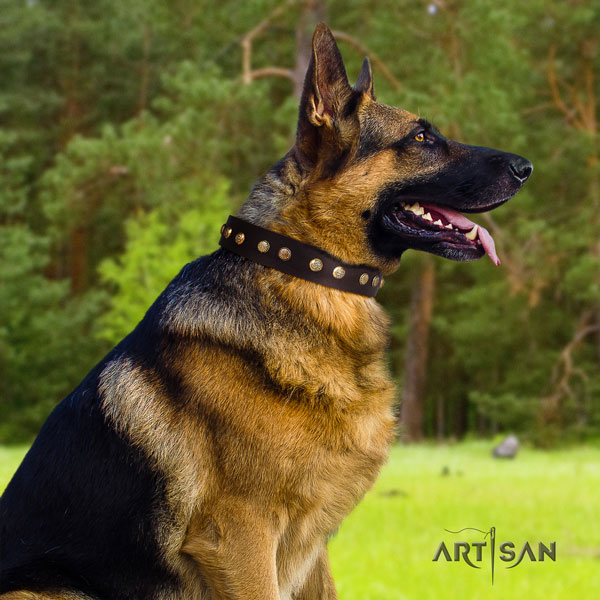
(431, 223)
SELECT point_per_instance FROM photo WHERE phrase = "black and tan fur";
(215, 450)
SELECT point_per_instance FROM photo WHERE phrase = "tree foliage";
(128, 132)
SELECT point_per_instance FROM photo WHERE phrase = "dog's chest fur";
(288, 418)
(300, 468)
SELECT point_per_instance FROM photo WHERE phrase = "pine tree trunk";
(144, 71)
(594, 190)
(312, 12)
(461, 417)
(440, 417)
(78, 259)
(415, 366)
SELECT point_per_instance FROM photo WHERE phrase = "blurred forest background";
(130, 130)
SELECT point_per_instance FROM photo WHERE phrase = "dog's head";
(377, 180)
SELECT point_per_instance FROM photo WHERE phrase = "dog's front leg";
(235, 552)
(319, 584)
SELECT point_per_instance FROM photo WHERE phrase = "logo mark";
(506, 551)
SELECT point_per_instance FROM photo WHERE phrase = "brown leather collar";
(297, 258)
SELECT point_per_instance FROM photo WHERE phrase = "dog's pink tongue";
(460, 221)
(487, 241)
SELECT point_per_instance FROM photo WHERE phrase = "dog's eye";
(420, 137)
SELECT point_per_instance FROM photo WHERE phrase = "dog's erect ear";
(326, 86)
(364, 83)
(325, 97)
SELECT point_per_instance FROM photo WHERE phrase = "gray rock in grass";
(507, 448)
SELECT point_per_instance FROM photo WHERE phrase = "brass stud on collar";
(364, 278)
(375, 281)
(263, 246)
(222, 229)
(284, 253)
(239, 238)
(227, 232)
(315, 264)
(339, 272)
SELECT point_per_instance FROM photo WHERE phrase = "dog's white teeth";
(472, 235)
(427, 217)
(449, 226)
(439, 223)
(415, 208)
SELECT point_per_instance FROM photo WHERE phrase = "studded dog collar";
(297, 258)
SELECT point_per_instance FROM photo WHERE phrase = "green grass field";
(384, 550)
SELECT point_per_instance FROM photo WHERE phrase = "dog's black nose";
(520, 168)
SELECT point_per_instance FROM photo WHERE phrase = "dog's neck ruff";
(297, 258)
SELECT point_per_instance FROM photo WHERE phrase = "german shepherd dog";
(213, 452)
